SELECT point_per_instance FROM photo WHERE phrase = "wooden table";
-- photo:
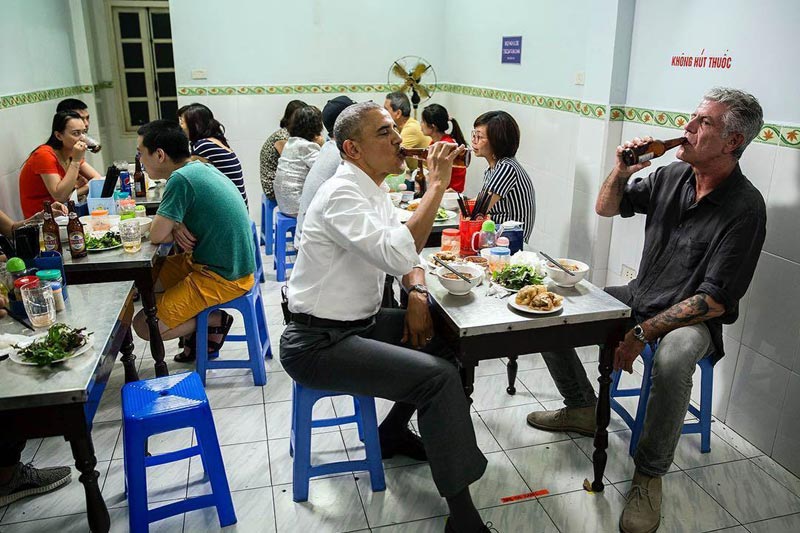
(61, 399)
(482, 327)
(142, 268)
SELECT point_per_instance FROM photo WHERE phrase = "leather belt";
(314, 322)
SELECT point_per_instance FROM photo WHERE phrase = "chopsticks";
(556, 263)
(462, 205)
(451, 269)
(481, 204)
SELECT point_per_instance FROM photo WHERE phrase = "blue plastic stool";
(251, 306)
(259, 273)
(303, 400)
(156, 406)
(267, 224)
(283, 225)
(703, 426)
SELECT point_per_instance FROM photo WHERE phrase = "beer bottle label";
(646, 157)
(77, 242)
(50, 242)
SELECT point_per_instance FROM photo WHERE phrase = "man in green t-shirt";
(203, 212)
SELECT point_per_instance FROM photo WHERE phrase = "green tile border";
(230, 90)
(34, 97)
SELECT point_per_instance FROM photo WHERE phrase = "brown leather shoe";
(642, 513)
(578, 419)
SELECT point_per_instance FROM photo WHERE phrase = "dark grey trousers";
(371, 361)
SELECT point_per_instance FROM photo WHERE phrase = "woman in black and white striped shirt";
(209, 145)
(496, 138)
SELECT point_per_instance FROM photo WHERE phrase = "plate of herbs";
(514, 277)
(107, 241)
(60, 343)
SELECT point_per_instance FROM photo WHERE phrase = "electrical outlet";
(199, 74)
(628, 273)
(580, 78)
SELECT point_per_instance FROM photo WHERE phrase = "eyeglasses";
(476, 136)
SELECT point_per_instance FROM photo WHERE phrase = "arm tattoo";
(692, 310)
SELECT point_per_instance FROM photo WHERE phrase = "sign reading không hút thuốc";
(512, 50)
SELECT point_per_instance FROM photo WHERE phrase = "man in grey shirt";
(328, 160)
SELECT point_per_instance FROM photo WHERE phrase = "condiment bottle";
(451, 241)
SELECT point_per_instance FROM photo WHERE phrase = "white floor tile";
(585, 512)
(234, 391)
(254, 512)
(783, 476)
(486, 441)
(490, 367)
(490, 393)
(236, 425)
(540, 384)
(325, 448)
(746, 491)
(738, 442)
(784, 524)
(246, 467)
(557, 467)
(333, 505)
(410, 495)
(278, 387)
(279, 418)
(55, 451)
(500, 480)
(162, 442)
(687, 507)
(164, 482)
(688, 454)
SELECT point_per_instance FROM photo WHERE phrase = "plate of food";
(100, 242)
(514, 277)
(446, 256)
(443, 214)
(537, 300)
(60, 343)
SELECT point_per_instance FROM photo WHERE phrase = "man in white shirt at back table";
(340, 339)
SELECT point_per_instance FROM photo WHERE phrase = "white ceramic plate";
(526, 309)
(14, 355)
(405, 215)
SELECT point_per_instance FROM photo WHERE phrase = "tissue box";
(94, 201)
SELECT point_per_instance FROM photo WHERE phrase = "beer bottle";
(50, 233)
(461, 161)
(138, 179)
(650, 150)
(77, 240)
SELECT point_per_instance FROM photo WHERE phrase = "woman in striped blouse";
(209, 145)
(495, 137)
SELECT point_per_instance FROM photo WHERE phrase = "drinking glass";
(130, 235)
(39, 304)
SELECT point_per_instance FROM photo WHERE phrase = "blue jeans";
(673, 367)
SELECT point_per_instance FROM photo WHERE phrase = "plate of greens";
(514, 277)
(443, 214)
(60, 343)
(105, 241)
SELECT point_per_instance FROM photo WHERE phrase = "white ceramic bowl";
(561, 278)
(450, 201)
(144, 226)
(458, 286)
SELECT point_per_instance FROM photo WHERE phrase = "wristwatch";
(638, 332)
(422, 289)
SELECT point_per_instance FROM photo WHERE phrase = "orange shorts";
(189, 288)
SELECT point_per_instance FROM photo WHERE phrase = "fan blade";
(419, 70)
(399, 71)
(407, 85)
(423, 92)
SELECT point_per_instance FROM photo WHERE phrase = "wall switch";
(199, 74)
(580, 78)
(628, 273)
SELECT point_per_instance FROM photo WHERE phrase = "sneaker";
(642, 513)
(578, 419)
(27, 481)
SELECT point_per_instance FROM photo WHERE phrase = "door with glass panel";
(143, 38)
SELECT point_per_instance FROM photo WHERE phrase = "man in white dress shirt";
(340, 339)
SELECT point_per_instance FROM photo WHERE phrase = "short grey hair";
(350, 121)
(398, 100)
(744, 114)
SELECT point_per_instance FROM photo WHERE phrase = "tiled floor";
(734, 488)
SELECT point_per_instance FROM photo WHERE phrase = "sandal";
(189, 343)
(223, 329)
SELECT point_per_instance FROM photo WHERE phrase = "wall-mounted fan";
(409, 72)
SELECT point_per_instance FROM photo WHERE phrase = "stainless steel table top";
(98, 307)
(479, 314)
(153, 198)
(117, 258)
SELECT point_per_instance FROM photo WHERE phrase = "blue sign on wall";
(512, 50)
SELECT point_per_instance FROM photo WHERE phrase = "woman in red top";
(57, 167)
(435, 123)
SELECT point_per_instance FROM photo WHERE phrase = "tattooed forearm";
(692, 310)
(610, 195)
